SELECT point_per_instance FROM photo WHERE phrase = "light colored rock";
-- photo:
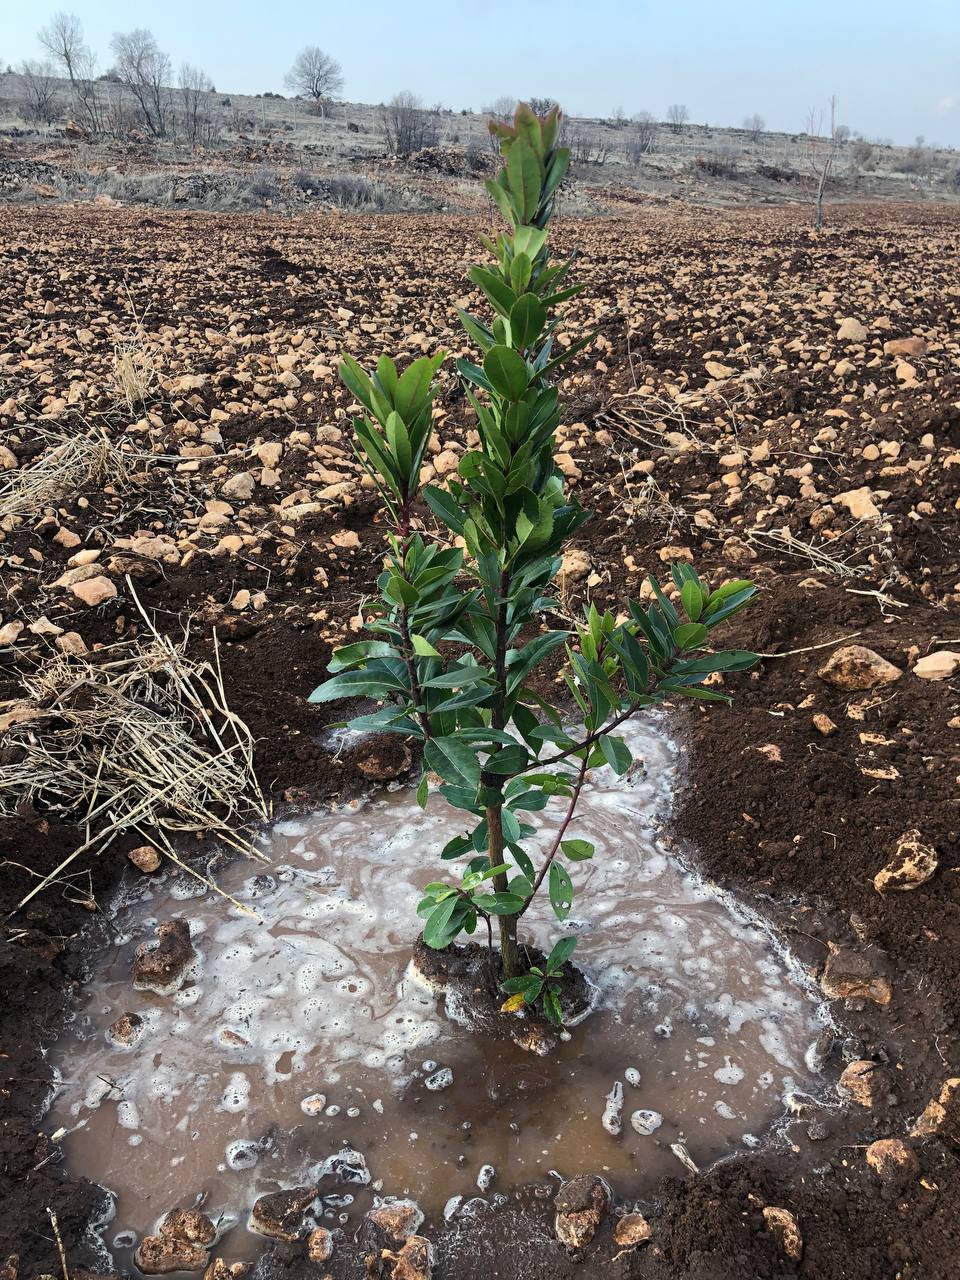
(8, 459)
(397, 1221)
(855, 667)
(941, 1116)
(860, 503)
(913, 864)
(126, 1030)
(145, 858)
(823, 724)
(851, 330)
(574, 566)
(784, 1228)
(239, 486)
(718, 370)
(347, 539)
(909, 347)
(94, 591)
(413, 1262)
(940, 665)
(893, 1161)
(581, 1205)
(10, 632)
(863, 1082)
(631, 1230)
(319, 1245)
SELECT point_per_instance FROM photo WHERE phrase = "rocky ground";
(759, 399)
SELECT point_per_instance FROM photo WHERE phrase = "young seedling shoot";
(460, 627)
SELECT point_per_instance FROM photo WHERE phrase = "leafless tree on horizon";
(144, 69)
(677, 116)
(317, 76)
(62, 38)
(39, 91)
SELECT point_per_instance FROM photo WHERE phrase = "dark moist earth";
(768, 447)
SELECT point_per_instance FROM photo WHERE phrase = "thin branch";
(561, 832)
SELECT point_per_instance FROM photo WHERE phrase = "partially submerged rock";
(220, 1270)
(913, 864)
(280, 1213)
(395, 1222)
(145, 858)
(161, 966)
(126, 1030)
(181, 1244)
(413, 1262)
(854, 667)
(785, 1229)
(319, 1245)
(850, 974)
(580, 1206)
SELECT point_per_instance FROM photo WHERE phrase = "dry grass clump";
(70, 463)
(139, 739)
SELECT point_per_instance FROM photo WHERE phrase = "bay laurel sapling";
(459, 630)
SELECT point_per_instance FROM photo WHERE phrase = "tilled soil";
(729, 411)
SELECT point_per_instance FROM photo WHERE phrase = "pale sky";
(894, 67)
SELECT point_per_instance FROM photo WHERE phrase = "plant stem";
(588, 741)
(509, 957)
(555, 848)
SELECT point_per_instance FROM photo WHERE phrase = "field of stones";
(177, 486)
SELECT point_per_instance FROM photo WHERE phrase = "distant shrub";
(778, 173)
(863, 154)
(719, 165)
(263, 186)
(303, 180)
(352, 127)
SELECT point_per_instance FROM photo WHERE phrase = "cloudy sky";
(894, 68)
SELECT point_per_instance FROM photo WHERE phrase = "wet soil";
(801, 830)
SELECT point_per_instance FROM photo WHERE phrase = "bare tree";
(407, 125)
(755, 126)
(501, 109)
(542, 106)
(618, 117)
(143, 69)
(842, 133)
(677, 116)
(195, 90)
(39, 92)
(644, 136)
(62, 38)
(589, 148)
(821, 157)
(317, 76)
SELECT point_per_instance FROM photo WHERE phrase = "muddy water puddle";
(301, 1037)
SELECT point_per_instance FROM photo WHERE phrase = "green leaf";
(423, 647)
(507, 372)
(527, 318)
(525, 178)
(563, 949)
(351, 654)
(561, 890)
(692, 598)
(507, 760)
(453, 760)
(616, 753)
(436, 931)
(499, 904)
(552, 1007)
(577, 850)
(690, 635)
(513, 985)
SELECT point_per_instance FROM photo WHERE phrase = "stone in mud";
(580, 1206)
(612, 1119)
(646, 1122)
(220, 1270)
(127, 1030)
(319, 1246)
(534, 1039)
(784, 1228)
(854, 667)
(280, 1213)
(631, 1230)
(937, 666)
(159, 1255)
(854, 975)
(413, 1262)
(181, 1244)
(348, 1166)
(893, 1161)
(160, 966)
(913, 864)
(941, 1116)
(145, 858)
(818, 1053)
(393, 1223)
(864, 1082)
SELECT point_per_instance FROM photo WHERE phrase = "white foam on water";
(304, 1032)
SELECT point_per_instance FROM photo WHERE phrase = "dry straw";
(137, 738)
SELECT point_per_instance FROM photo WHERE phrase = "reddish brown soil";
(802, 829)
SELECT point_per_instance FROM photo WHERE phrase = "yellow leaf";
(512, 1004)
